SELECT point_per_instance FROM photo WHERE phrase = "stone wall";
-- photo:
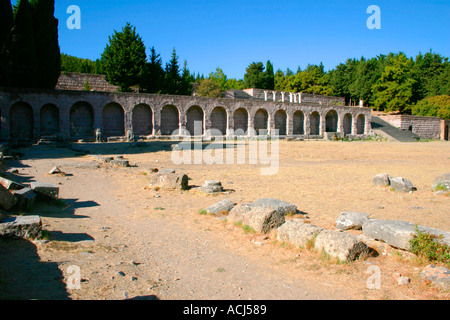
(79, 81)
(28, 114)
(424, 127)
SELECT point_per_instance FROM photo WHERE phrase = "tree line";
(29, 49)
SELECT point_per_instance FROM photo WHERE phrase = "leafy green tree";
(438, 106)
(220, 78)
(311, 80)
(172, 82)
(6, 24)
(394, 91)
(46, 41)
(24, 70)
(124, 58)
(427, 71)
(209, 88)
(73, 64)
(237, 84)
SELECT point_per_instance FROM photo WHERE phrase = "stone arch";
(347, 123)
(331, 120)
(240, 120)
(281, 122)
(170, 120)
(81, 120)
(142, 120)
(261, 122)
(299, 122)
(314, 123)
(193, 115)
(113, 120)
(219, 120)
(360, 124)
(21, 121)
(49, 115)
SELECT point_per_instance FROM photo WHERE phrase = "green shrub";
(430, 247)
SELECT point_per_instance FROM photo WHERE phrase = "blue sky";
(231, 34)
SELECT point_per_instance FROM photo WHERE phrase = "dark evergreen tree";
(187, 80)
(270, 76)
(124, 58)
(255, 76)
(172, 81)
(6, 24)
(153, 81)
(46, 40)
(24, 69)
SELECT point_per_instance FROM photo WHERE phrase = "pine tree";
(6, 24)
(46, 39)
(124, 58)
(255, 76)
(153, 81)
(172, 76)
(23, 48)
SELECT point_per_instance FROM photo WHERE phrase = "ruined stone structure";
(423, 127)
(29, 114)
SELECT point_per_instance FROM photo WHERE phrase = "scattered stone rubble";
(398, 184)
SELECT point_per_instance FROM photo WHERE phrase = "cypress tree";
(270, 76)
(46, 39)
(6, 24)
(23, 48)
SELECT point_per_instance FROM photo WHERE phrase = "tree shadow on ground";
(23, 276)
(111, 148)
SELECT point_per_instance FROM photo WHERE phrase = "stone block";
(340, 245)
(398, 233)
(281, 206)
(11, 185)
(400, 184)
(7, 199)
(120, 163)
(351, 220)
(221, 207)
(442, 182)
(27, 227)
(297, 232)
(382, 180)
(439, 276)
(169, 181)
(26, 199)
(49, 190)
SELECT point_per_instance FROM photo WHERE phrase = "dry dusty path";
(124, 254)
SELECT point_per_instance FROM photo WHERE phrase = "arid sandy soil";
(133, 242)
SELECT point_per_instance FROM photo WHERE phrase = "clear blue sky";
(231, 34)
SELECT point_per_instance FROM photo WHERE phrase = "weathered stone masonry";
(30, 114)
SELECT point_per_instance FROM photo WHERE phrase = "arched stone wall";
(80, 113)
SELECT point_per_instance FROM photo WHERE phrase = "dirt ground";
(132, 242)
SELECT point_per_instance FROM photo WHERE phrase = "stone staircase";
(388, 131)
